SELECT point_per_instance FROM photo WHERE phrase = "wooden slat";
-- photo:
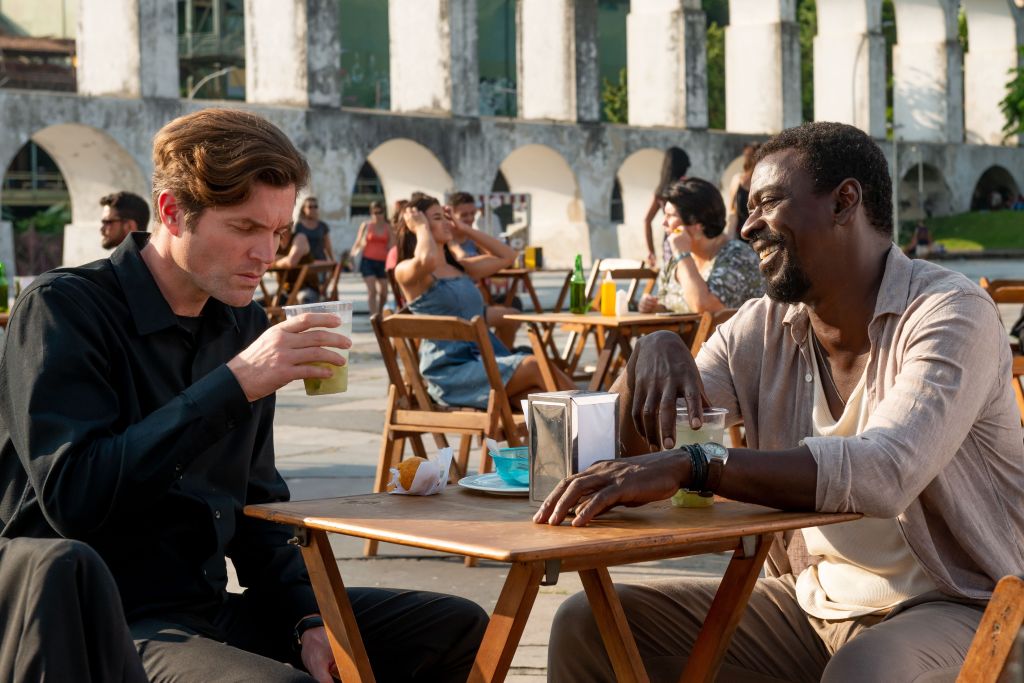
(1000, 627)
(507, 623)
(336, 610)
(724, 615)
(611, 622)
(407, 325)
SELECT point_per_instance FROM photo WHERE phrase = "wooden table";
(497, 528)
(615, 334)
(516, 276)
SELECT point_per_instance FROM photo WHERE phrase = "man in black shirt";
(136, 414)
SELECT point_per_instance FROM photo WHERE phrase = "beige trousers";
(775, 641)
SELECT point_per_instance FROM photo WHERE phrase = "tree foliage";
(1013, 104)
(614, 99)
(716, 76)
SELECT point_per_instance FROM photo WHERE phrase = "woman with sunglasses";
(314, 230)
(373, 241)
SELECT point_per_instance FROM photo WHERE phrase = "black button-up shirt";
(121, 426)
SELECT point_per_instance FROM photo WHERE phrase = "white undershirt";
(866, 566)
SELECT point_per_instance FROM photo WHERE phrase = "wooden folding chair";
(997, 651)
(330, 285)
(709, 322)
(412, 412)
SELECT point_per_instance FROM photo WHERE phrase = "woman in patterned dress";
(708, 271)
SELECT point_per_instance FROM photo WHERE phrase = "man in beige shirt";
(867, 383)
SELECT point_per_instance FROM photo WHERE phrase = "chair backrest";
(998, 641)
(709, 322)
(399, 336)
(631, 270)
(1004, 291)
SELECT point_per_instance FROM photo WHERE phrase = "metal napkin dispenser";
(569, 431)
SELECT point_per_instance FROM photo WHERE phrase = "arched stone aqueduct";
(556, 150)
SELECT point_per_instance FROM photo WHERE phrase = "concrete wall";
(56, 19)
(994, 30)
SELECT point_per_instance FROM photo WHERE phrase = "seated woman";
(292, 252)
(435, 282)
(708, 271)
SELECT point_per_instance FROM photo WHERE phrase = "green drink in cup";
(338, 381)
(712, 429)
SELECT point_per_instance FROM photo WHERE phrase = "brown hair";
(459, 198)
(129, 206)
(749, 153)
(406, 238)
(213, 157)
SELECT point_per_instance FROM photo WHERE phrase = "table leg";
(611, 622)
(725, 613)
(336, 610)
(604, 360)
(507, 622)
(528, 286)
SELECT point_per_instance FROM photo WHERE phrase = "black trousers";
(409, 636)
(61, 616)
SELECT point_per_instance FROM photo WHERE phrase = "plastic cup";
(713, 429)
(338, 381)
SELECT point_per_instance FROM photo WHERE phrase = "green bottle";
(3, 289)
(578, 289)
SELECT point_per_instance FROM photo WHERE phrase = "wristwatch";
(306, 623)
(716, 456)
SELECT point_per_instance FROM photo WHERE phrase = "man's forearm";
(780, 479)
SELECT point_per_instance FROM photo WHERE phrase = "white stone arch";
(638, 177)
(93, 164)
(924, 194)
(994, 30)
(849, 59)
(927, 72)
(557, 215)
(994, 178)
(405, 166)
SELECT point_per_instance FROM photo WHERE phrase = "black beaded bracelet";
(699, 467)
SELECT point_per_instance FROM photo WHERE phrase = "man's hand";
(648, 304)
(605, 484)
(661, 370)
(281, 353)
(317, 656)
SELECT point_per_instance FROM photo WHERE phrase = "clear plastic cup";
(338, 381)
(712, 429)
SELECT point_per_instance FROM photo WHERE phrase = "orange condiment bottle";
(608, 295)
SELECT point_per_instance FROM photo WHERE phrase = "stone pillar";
(994, 31)
(762, 66)
(666, 54)
(927, 72)
(556, 55)
(433, 55)
(116, 59)
(849, 65)
(292, 53)
(7, 253)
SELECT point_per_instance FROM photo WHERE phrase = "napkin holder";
(569, 431)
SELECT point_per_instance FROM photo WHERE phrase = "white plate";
(492, 483)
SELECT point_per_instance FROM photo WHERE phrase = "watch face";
(715, 450)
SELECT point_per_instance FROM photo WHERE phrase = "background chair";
(997, 651)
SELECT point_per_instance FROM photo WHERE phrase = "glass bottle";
(578, 289)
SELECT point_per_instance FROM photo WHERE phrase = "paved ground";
(328, 446)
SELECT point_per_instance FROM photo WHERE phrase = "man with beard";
(867, 383)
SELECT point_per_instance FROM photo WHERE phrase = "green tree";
(615, 100)
(1013, 104)
(716, 76)
(807, 20)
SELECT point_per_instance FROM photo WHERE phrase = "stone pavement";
(328, 446)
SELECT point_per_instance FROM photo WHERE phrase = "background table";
(497, 528)
(615, 334)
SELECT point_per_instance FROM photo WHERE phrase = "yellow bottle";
(608, 295)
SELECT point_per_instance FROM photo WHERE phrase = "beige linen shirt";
(943, 449)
